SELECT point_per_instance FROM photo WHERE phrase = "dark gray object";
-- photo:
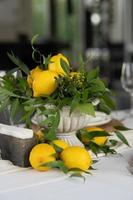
(16, 150)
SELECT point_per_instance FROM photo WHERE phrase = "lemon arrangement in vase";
(59, 103)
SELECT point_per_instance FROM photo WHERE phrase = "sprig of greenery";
(37, 56)
(22, 66)
(106, 148)
(74, 172)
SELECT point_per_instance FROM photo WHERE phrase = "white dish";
(100, 119)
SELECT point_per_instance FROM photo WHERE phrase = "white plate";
(100, 119)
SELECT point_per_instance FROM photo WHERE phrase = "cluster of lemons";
(43, 82)
(72, 156)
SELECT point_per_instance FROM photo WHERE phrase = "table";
(110, 181)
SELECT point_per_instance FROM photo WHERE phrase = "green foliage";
(74, 172)
(121, 137)
(19, 63)
(106, 148)
(121, 128)
(65, 66)
(58, 164)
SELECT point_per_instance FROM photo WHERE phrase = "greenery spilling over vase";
(52, 82)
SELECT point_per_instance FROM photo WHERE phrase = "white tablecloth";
(110, 181)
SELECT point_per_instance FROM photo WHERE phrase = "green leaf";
(106, 149)
(12, 71)
(122, 128)
(47, 112)
(58, 164)
(48, 121)
(77, 175)
(51, 135)
(81, 64)
(79, 170)
(93, 147)
(93, 74)
(5, 92)
(22, 84)
(121, 137)
(113, 142)
(86, 108)
(85, 94)
(92, 134)
(34, 39)
(56, 147)
(19, 63)
(26, 118)
(92, 168)
(14, 108)
(4, 104)
(65, 66)
(97, 85)
(109, 102)
(75, 103)
(95, 161)
(103, 107)
(46, 60)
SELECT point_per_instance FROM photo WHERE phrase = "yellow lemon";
(55, 64)
(33, 73)
(76, 157)
(41, 154)
(45, 83)
(93, 128)
(98, 140)
(61, 144)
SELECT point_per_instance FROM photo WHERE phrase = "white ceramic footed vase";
(69, 124)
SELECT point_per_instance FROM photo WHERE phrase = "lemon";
(45, 83)
(61, 144)
(33, 73)
(98, 140)
(41, 154)
(55, 64)
(76, 157)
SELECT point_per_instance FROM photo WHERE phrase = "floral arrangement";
(46, 89)
(52, 82)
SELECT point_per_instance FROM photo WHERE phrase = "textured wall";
(15, 19)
